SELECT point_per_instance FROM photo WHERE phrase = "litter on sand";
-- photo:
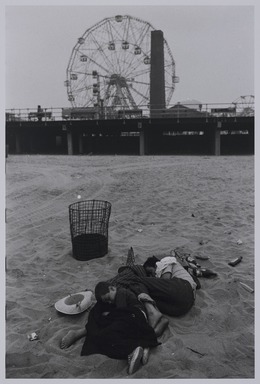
(33, 336)
(194, 350)
(249, 289)
(235, 261)
(201, 257)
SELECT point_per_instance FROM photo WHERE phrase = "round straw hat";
(75, 303)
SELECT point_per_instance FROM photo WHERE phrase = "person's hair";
(151, 262)
(101, 289)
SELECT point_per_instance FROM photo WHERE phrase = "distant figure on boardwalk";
(39, 113)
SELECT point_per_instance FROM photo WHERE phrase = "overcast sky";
(213, 49)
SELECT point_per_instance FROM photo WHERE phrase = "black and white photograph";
(128, 173)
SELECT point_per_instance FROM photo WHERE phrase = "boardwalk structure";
(175, 132)
(180, 129)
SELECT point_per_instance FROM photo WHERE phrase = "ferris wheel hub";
(118, 80)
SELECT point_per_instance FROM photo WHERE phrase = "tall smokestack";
(157, 81)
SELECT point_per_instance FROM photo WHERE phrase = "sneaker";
(145, 357)
(193, 261)
(134, 360)
(207, 272)
(203, 272)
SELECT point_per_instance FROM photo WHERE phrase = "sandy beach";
(201, 205)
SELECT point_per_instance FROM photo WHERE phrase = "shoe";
(203, 272)
(145, 357)
(134, 360)
(207, 272)
(191, 260)
(195, 279)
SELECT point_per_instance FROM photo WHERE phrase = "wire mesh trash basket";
(89, 228)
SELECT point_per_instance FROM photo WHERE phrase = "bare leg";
(154, 315)
(161, 326)
(71, 337)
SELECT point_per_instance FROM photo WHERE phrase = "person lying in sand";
(124, 298)
(168, 268)
(117, 327)
(155, 319)
(173, 297)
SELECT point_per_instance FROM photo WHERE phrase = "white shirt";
(170, 264)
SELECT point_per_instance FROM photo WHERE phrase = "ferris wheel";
(110, 65)
(245, 105)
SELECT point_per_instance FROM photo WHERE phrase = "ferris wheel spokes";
(117, 50)
(99, 65)
(127, 29)
(142, 37)
(142, 72)
(106, 59)
(141, 94)
(245, 105)
(132, 66)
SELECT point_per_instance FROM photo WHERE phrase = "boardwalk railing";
(142, 112)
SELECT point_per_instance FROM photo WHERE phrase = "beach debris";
(79, 196)
(201, 257)
(202, 242)
(228, 232)
(77, 175)
(33, 336)
(235, 261)
(191, 260)
(204, 272)
(194, 350)
(139, 230)
(249, 289)
(239, 242)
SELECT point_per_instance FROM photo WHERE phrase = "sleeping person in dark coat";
(171, 297)
(118, 327)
